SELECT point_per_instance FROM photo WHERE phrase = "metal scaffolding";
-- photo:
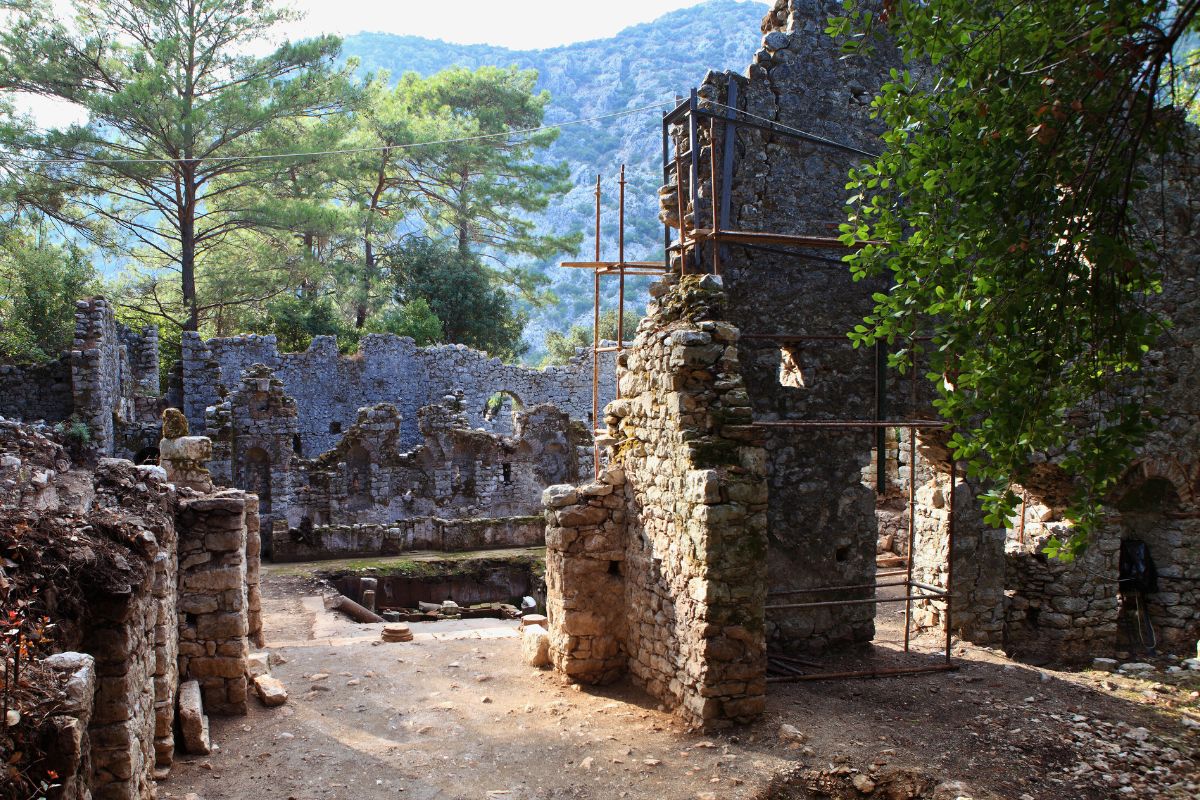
(683, 166)
(620, 269)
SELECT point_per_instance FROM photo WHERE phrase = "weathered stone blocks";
(658, 568)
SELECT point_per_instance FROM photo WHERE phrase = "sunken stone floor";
(455, 714)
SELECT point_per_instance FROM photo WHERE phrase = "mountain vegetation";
(415, 204)
(643, 65)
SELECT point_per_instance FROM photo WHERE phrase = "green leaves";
(1003, 204)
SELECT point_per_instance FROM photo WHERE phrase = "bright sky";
(518, 24)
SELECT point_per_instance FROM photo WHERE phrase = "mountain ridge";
(643, 64)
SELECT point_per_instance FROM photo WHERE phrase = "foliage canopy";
(1004, 209)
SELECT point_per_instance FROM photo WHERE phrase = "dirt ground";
(455, 714)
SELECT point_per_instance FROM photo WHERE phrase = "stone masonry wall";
(254, 431)
(822, 528)
(1074, 610)
(659, 567)
(329, 388)
(214, 600)
(404, 535)
(131, 636)
(104, 380)
(978, 610)
(36, 391)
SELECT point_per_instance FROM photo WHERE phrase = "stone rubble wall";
(585, 593)
(369, 493)
(405, 535)
(329, 387)
(69, 753)
(121, 635)
(821, 518)
(1062, 610)
(978, 587)
(253, 556)
(36, 391)
(105, 379)
(142, 564)
(1075, 610)
(254, 430)
(214, 598)
(659, 567)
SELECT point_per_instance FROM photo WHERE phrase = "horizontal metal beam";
(867, 601)
(862, 673)
(845, 423)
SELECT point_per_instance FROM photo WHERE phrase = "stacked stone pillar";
(214, 602)
(659, 568)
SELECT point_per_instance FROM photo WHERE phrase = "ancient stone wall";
(793, 308)
(108, 380)
(404, 535)
(36, 391)
(659, 567)
(104, 378)
(329, 388)
(131, 636)
(255, 433)
(370, 495)
(976, 575)
(1054, 609)
(214, 599)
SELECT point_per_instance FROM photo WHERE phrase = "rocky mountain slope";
(642, 65)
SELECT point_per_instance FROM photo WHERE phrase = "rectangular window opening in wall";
(507, 468)
(790, 373)
(335, 427)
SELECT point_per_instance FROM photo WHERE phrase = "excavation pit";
(417, 590)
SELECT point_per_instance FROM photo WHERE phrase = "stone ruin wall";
(822, 527)
(180, 603)
(276, 445)
(36, 391)
(370, 495)
(108, 380)
(1007, 592)
(329, 387)
(658, 568)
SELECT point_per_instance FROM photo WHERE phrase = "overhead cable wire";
(812, 137)
(345, 151)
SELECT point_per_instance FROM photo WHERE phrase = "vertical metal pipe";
(694, 173)
(679, 204)
(712, 194)
(620, 275)
(727, 155)
(596, 341)
(666, 167)
(912, 526)
(880, 414)
(950, 553)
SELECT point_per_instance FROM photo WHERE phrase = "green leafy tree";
(178, 113)
(414, 319)
(460, 292)
(1002, 210)
(39, 284)
(561, 347)
(481, 188)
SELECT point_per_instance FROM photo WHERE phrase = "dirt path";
(454, 714)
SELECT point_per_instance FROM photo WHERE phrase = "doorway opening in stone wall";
(910, 598)
(1156, 553)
